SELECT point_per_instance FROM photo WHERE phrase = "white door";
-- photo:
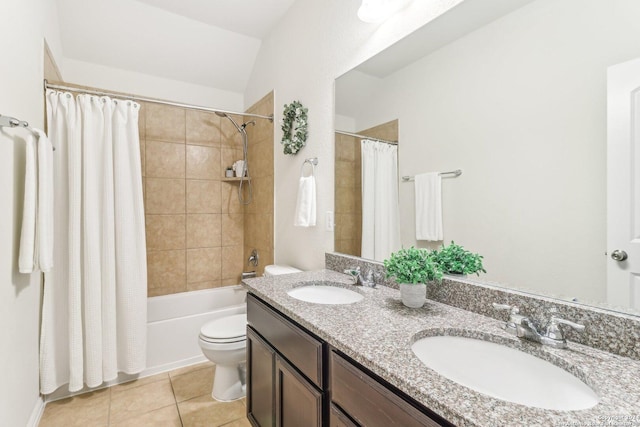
(623, 184)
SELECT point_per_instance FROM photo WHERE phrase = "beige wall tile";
(345, 200)
(201, 410)
(142, 131)
(165, 417)
(210, 284)
(203, 162)
(203, 128)
(89, 409)
(233, 262)
(204, 230)
(142, 157)
(166, 272)
(204, 264)
(165, 196)
(230, 202)
(259, 233)
(229, 157)
(233, 282)
(165, 159)
(345, 174)
(165, 232)
(193, 384)
(232, 229)
(204, 196)
(261, 160)
(165, 123)
(139, 400)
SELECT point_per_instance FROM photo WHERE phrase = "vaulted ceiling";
(206, 42)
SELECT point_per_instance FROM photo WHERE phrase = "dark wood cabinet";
(298, 402)
(284, 371)
(369, 402)
(293, 380)
(261, 362)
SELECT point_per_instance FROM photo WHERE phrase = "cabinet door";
(261, 360)
(298, 402)
(337, 418)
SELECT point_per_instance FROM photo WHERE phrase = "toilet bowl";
(224, 341)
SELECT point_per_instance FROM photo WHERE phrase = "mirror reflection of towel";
(428, 188)
(305, 215)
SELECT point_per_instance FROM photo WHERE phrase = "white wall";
(520, 106)
(24, 25)
(103, 77)
(314, 43)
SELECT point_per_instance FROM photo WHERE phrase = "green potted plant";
(454, 259)
(412, 268)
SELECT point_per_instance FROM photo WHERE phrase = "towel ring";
(313, 161)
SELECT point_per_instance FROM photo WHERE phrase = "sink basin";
(504, 373)
(325, 294)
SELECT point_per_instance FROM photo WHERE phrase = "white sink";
(504, 373)
(325, 294)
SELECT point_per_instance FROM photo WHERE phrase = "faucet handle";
(554, 332)
(354, 274)
(514, 318)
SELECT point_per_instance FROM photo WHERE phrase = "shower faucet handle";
(253, 258)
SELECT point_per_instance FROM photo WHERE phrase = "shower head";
(244, 125)
(218, 113)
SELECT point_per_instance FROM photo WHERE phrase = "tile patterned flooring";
(180, 398)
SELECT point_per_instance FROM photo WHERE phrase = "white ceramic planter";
(413, 296)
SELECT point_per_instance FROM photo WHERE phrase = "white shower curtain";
(380, 204)
(95, 299)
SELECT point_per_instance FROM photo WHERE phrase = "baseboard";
(36, 413)
(63, 392)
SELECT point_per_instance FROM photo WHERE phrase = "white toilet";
(224, 342)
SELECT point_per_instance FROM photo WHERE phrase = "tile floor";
(180, 398)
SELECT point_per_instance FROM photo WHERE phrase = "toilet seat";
(228, 329)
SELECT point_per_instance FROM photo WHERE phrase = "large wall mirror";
(518, 101)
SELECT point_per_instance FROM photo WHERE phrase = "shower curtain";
(380, 204)
(94, 303)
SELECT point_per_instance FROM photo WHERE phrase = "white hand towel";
(36, 237)
(28, 233)
(44, 223)
(305, 215)
(428, 206)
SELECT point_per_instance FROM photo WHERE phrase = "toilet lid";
(234, 326)
(276, 270)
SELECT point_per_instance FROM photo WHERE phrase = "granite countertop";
(378, 333)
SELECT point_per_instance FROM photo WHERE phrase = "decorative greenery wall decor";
(294, 126)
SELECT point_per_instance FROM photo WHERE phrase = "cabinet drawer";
(368, 402)
(337, 418)
(297, 346)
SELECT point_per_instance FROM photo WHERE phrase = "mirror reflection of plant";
(455, 259)
(412, 266)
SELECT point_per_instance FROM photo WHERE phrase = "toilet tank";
(276, 270)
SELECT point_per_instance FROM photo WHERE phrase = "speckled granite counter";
(378, 332)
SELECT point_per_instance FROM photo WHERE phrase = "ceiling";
(211, 43)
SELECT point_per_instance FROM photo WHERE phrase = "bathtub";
(174, 322)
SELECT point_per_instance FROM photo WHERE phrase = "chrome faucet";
(548, 333)
(368, 280)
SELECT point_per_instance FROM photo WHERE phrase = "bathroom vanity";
(296, 379)
(315, 364)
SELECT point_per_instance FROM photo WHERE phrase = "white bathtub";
(174, 322)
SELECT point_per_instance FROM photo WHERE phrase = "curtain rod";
(357, 135)
(48, 85)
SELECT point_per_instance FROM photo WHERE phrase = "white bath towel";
(36, 238)
(428, 188)
(305, 215)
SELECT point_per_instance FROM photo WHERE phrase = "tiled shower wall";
(194, 221)
(348, 186)
(258, 218)
(348, 195)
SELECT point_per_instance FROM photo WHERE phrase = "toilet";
(223, 341)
